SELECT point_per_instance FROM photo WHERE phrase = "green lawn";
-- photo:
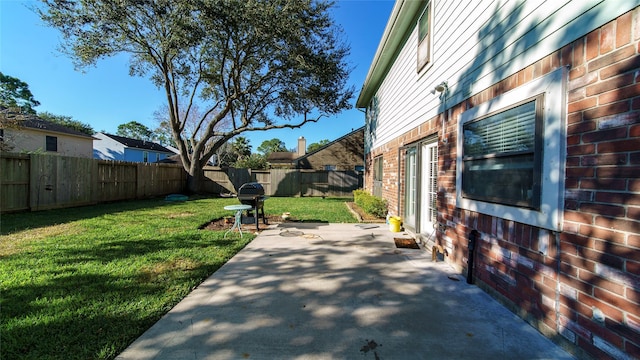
(83, 283)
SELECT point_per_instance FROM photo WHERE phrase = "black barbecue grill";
(253, 194)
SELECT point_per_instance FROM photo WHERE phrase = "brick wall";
(583, 283)
(599, 246)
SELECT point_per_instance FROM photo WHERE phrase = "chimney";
(302, 146)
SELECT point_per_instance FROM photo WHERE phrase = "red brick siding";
(594, 262)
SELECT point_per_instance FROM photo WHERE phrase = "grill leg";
(264, 218)
(256, 214)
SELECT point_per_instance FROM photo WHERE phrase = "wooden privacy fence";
(41, 182)
(285, 182)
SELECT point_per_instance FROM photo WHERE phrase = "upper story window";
(51, 143)
(511, 154)
(424, 36)
(371, 123)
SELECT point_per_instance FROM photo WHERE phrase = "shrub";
(371, 204)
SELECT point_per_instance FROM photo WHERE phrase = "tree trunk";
(195, 180)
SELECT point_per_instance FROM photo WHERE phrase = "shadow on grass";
(90, 302)
(14, 222)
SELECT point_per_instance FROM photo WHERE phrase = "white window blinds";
(512, 131)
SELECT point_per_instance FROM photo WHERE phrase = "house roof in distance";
(331, 143)
(138, 144)
(31, 121)
(281, 157)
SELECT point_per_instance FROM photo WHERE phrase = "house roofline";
(403, 16)
(137, 144)
(329, 144)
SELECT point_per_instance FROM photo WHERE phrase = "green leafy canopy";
(251, 64)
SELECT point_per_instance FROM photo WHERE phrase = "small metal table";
(237, 224)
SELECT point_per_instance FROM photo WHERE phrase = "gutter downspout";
(473, 236)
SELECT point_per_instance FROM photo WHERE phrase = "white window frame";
(550, 214)
(424, 62)
(378, 173)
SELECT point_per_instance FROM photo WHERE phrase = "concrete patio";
(338, 291)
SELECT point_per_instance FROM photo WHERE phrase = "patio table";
(237, 224)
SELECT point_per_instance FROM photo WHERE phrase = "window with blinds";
(502, 155)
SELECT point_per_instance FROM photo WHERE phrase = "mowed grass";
(83, 283)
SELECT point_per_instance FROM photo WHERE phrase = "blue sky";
(106, 96)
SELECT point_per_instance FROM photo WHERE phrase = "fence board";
(14, 182)
(218, 181)
(314, 183)
(60, 181)
(117, 180)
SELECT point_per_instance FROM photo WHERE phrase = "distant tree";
(240, 146)
(253, 161)
(15, 93)
(16, 105)
(225, 155)
(314, 146)
(256, 65)
(162, 134)
(67, 121)
(273, 145)
(135, 130)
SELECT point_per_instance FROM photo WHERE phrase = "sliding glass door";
(411, 187)
(428, 187)
(421, 187)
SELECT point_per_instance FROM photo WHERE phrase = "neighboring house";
(343, 154)
(282, 160)
(521, 121)
(34, 135)
(113, 147)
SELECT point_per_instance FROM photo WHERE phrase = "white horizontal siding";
(475, 45)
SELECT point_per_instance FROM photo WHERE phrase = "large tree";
(257, 64)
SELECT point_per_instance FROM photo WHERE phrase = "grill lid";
(250, 190)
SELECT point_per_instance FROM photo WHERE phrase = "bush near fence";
(371, 204)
